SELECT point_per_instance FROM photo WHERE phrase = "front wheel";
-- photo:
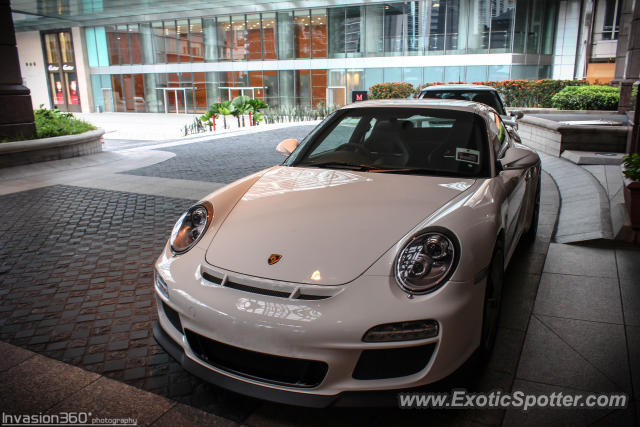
(492, 302)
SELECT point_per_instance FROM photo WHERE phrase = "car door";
(513, 183)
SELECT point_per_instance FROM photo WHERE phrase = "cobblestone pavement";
(224, 160)
(76, 285)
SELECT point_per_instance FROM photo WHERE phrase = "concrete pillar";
(82, 70)
(32, 67)
(285, 88)
(151, 94)
(628, 53)
(16, 113)
(475, 25)
(628, 67)
(373, 29)
(210, 33)
(285, 35)
(465, 9)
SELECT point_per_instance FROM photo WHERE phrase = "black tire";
(492, 303)
(530, 235)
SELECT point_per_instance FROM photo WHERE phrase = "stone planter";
(553, 137)
(45, 149)
(631, 191)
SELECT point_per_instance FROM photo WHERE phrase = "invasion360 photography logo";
(65, 418)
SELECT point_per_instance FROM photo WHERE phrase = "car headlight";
(190, 227)
(425, 262)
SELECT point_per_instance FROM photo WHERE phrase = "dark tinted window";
(486, 97)
(408, 140)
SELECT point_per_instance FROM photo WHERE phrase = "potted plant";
(226, 108)
(242, 107)
(632, 187)
(255, 115)
(211, 115)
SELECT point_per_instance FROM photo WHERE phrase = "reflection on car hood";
(329, 226)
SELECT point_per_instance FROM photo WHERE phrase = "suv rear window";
(487, 97)
(422, 141)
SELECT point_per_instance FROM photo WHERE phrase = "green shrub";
(592, 97)
(51, 123)
(632, 166)
(391, 90)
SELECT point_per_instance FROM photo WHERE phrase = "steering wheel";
(396, 154)
(439, 152)
(403, 151)
(350, 146)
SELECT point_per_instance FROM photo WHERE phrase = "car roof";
(459, 87)
(447, 104)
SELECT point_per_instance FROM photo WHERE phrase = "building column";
(212, 83)
(16, 113)
(628, 53)
(628, 67)
(150, 92)
(464, 12)
(82, 70)
(285, 35)
(285, 88)
(631, 76)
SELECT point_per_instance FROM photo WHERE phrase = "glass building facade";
(306, 57)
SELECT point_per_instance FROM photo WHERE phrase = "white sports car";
(371, 259)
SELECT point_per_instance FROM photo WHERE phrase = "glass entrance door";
(61, 71)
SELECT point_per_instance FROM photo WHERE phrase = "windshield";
(427, 141)
(487, 97)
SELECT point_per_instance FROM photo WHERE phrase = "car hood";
(329, 226)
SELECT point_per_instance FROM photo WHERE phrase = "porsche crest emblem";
(273, 258)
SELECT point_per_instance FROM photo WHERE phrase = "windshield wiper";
(416, 171)
(337, 165)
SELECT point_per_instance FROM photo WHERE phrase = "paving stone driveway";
(76, 285)
(224, 160)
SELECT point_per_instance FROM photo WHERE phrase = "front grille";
(310, 297)
(259, 366)
(211, 278)
(262, 291)
(173, 316)
(393, 362)
(253, 289)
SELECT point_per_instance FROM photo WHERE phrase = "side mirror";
(519, 158)
(287, 146)
(517, 114)
(513, 134)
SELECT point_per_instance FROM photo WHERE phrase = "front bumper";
(230, 383)
(329, 330)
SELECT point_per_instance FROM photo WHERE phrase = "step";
(584, 204)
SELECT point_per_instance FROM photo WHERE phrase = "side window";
(501, 103)
(503, 137)
(497, 127)
(492, 130)
(502, 132)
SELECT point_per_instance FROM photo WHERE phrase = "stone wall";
(553, 138)
(45, 149)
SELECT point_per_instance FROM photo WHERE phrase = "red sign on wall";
(359, 95)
